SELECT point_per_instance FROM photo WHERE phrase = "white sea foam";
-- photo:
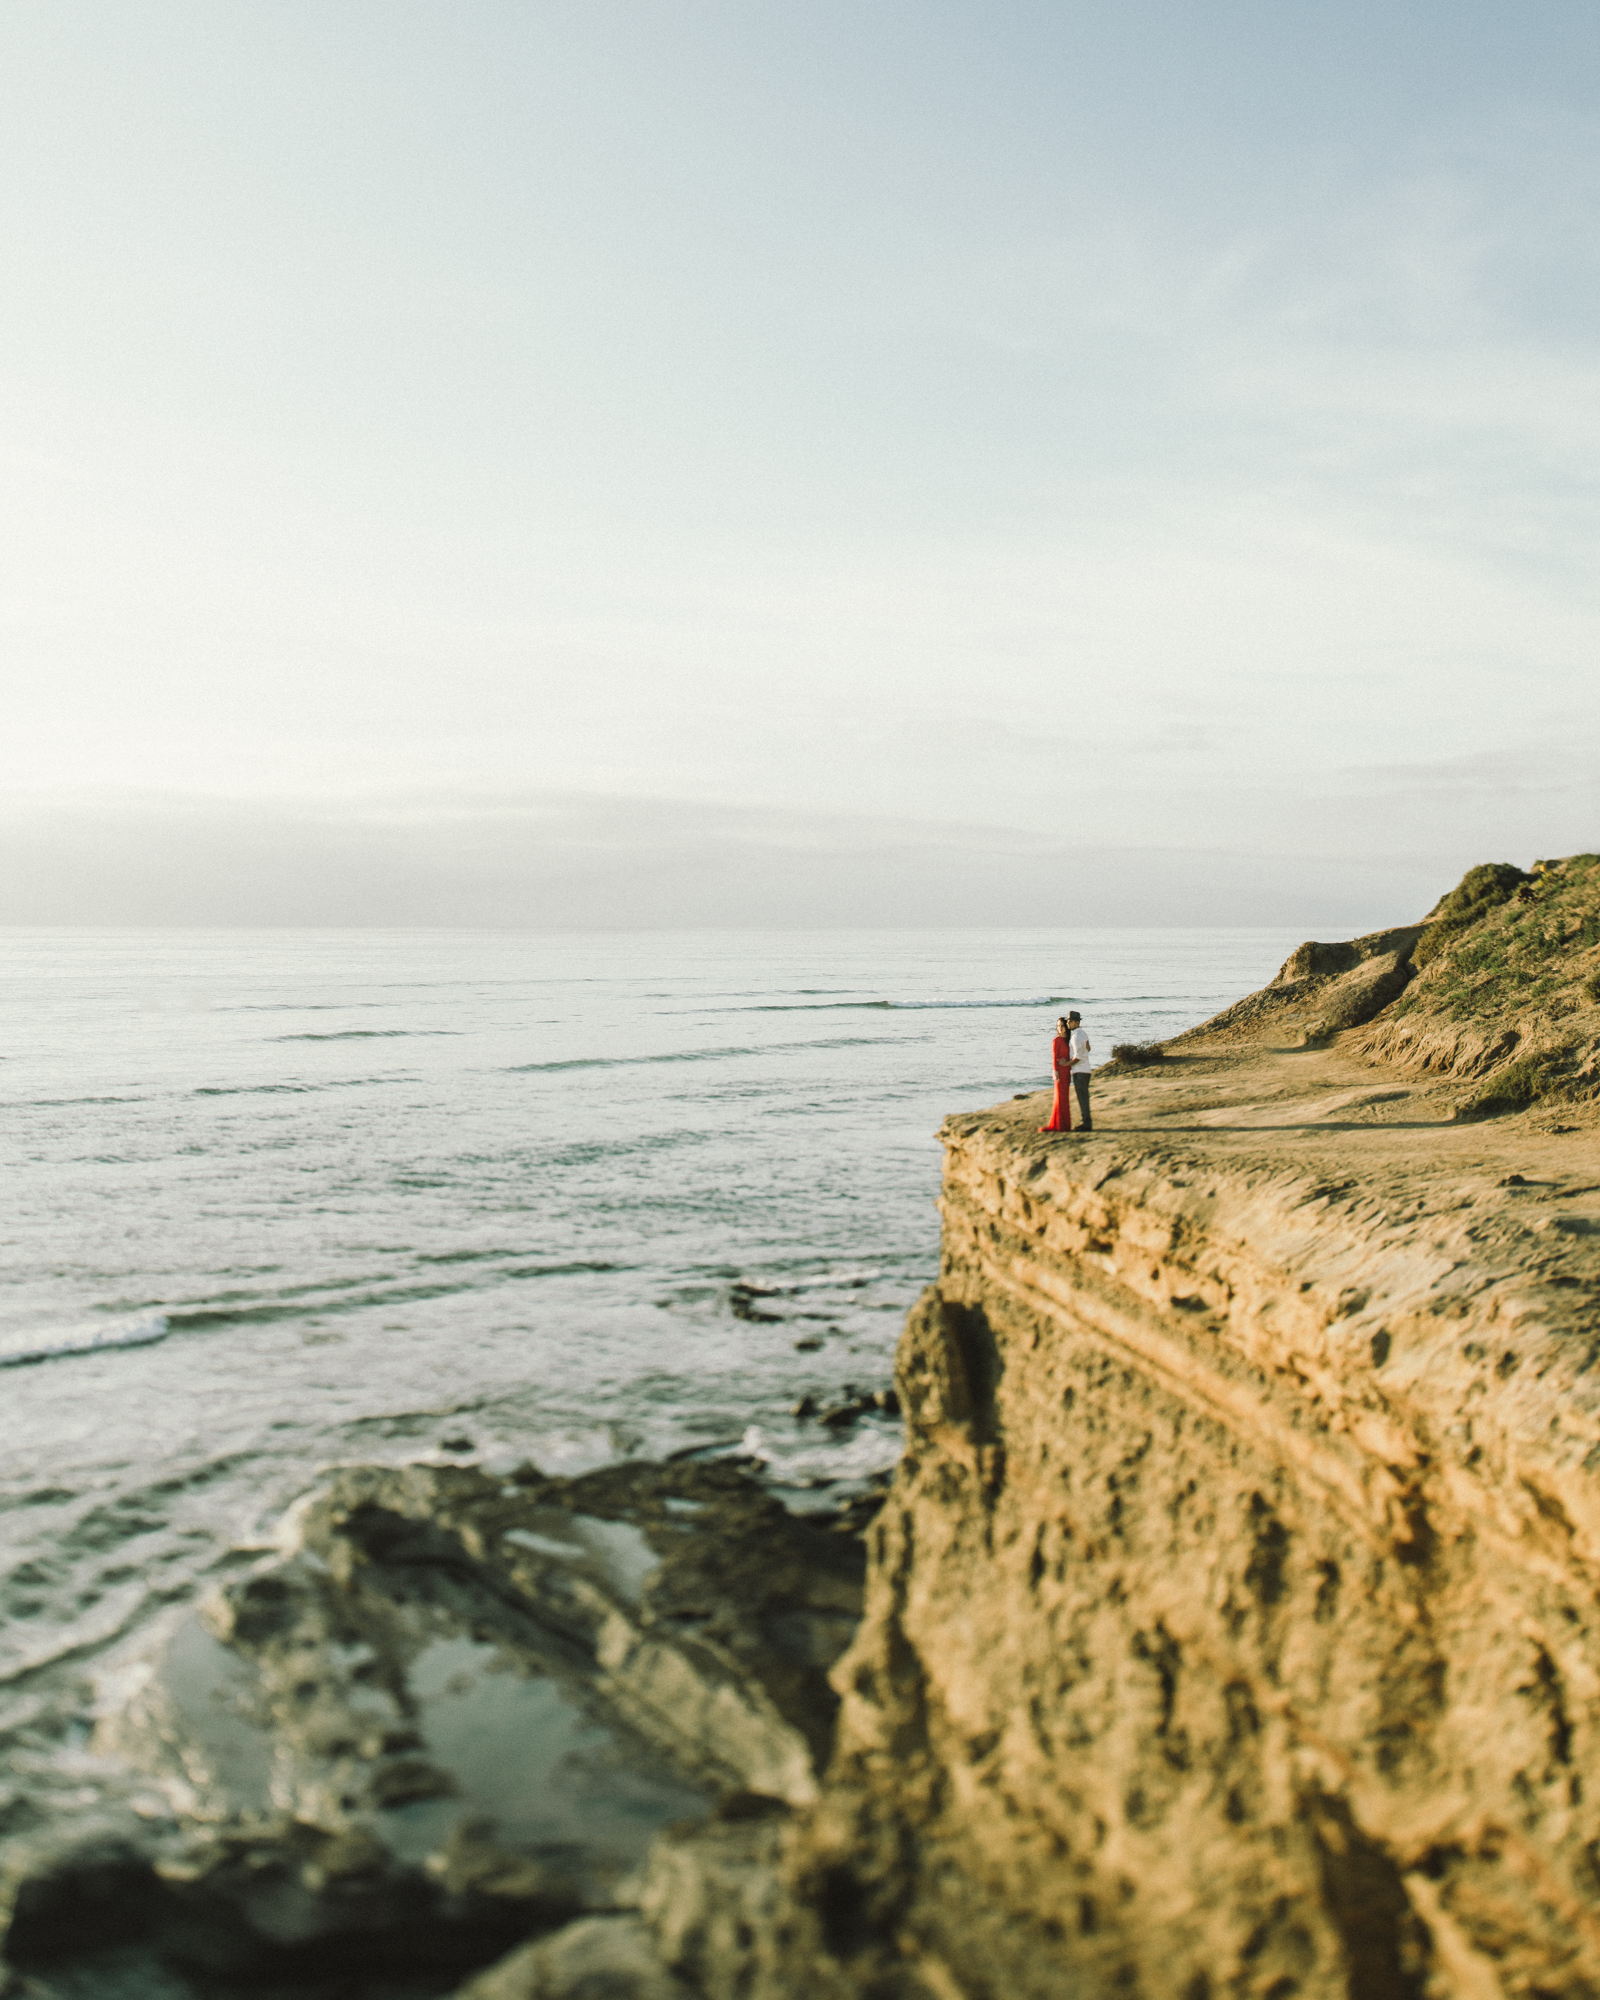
(27, 1344)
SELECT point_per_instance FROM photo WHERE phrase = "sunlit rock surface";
(1231, 1627)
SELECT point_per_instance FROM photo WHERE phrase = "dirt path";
(1509, 1205)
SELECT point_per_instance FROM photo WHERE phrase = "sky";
(752, 464)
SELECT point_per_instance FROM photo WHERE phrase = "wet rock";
(599, 1958)
(855, 1515)
(686, 1452)
(719, 1902)
(452, 1715)
(95, 1895)
(742, 1303)
(840, 1415)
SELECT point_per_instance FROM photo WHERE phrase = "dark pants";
(1080, 1090)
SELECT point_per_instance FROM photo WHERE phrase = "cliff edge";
(1232, 1626)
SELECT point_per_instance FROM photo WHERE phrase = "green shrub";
(1436, 940)
(1482, 888)
(1591, 987)
(1479, 891)
(1522, 1082)
(1138, 1055)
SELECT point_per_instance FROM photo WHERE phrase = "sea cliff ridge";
(1230, 1626)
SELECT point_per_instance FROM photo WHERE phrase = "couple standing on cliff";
(1069, 1054)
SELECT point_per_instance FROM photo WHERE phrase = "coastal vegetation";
(1507, 987)
(1480, 890)
(1138, 1055)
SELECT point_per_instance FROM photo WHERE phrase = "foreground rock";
(598, 1958)
(453, 1715)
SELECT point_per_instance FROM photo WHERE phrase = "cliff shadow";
(949, 1366)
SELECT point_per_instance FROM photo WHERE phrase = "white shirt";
(1078, 1049)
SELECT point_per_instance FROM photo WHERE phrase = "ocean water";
(279, 1200)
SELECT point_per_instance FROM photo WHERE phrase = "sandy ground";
(1531, 1180)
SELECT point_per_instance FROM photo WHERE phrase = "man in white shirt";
(1078, 1049)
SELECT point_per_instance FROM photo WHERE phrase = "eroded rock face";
(454, 1714)
(1321, 990)
(1232, 1625)
(1507, 993)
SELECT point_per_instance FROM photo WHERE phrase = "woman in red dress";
(1061, 1062)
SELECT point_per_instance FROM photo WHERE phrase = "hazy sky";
(794, 463)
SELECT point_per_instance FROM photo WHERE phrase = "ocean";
(280, 1200)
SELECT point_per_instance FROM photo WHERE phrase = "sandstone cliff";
(1231, 1628)
(1232, 1624)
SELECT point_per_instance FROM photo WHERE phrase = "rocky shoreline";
(1229, 1626)
(455, 1713)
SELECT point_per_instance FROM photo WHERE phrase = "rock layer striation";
(1232, 1626)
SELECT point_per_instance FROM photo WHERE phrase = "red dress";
(1061, 1110)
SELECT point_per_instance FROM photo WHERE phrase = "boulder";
(598, 1958)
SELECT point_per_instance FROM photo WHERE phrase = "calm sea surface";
(282, 1199)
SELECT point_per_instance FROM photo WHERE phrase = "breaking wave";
(694, 1055)
(88, 1337)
